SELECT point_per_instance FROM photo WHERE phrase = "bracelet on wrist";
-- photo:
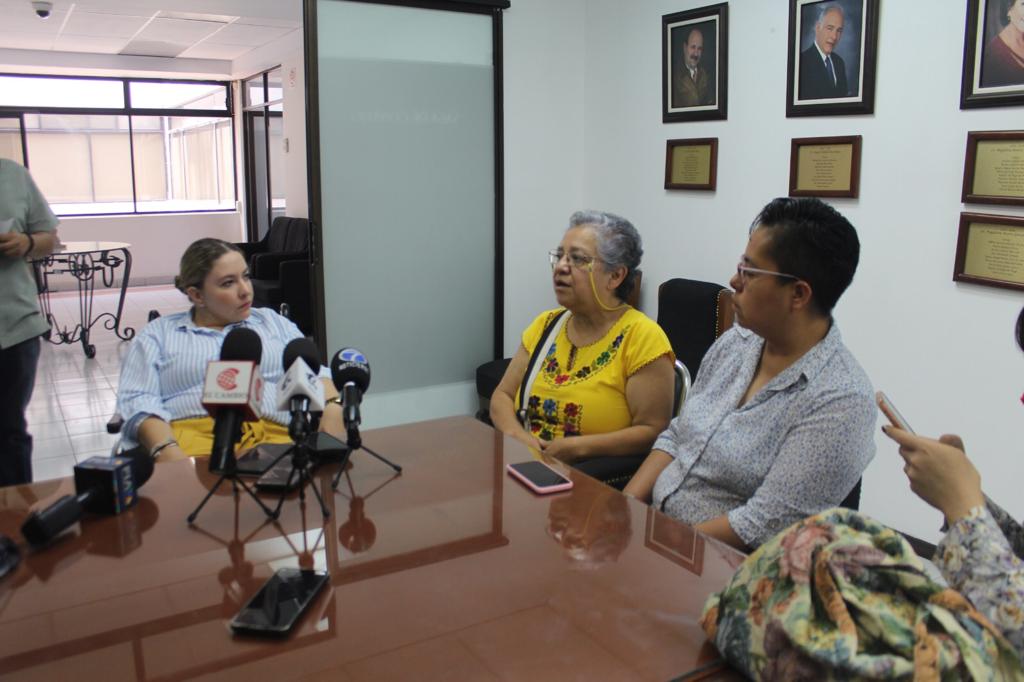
(155, 451)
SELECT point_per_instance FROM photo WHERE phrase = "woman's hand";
(563, 449)
(939, 472)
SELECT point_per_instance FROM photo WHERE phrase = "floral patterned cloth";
(981, 557)
(840, 596)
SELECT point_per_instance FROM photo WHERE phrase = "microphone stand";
(299, 431)
(231, 474)
(355, 441)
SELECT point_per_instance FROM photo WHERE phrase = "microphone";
(232, 392)
(350, 373)
(300, 391)
(103, 485)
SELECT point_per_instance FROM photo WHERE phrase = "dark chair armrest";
(268, 265)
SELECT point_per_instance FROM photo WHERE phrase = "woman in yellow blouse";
(605, 383)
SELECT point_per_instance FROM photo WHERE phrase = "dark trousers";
(17, 378)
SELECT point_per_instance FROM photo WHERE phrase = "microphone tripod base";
(360, 446)
(300, 467)
(235, 482)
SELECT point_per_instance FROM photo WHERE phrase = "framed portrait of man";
(695, 64)
(832, 57)
(993, 73)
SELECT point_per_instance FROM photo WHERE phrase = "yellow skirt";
(195, 436)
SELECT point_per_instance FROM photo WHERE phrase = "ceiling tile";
(103, 25)
(178, 30)
(153, 48)
(91, 44)
(262, 21)
(25, 41)
(208, 50)
(247, 34)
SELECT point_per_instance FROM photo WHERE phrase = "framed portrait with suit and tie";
(832, 55)
(695, 64)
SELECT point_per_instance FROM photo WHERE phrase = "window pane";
(276, 155)
(275, 91)
(254, 91)
(81, 163)
(26, 91)
(180, 163)
(178, 96)
(10, 140)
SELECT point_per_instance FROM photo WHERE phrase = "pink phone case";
(541, 490)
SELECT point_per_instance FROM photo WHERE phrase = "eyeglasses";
(744, 272)
(577, 260)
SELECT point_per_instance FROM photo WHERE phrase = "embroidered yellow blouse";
(588, 395)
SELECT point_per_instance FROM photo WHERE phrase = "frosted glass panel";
(407, 185)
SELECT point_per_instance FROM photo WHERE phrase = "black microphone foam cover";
(301, 348)
(242, 343)
(350, 365)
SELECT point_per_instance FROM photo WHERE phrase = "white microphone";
(300, 391)
(301, 388)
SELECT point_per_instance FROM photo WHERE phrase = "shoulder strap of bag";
(539, 351)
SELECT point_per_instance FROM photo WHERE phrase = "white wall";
(544, 53)
(943, 351)
(157, 240)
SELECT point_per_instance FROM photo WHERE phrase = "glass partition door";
(407, 202)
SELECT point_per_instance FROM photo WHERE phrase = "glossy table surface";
(451, 570)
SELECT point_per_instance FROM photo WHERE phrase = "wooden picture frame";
(691, 163)
(994, 168)
(825, 166)
(812, 89)
(991, 77)
(990, 251)
(695, 64)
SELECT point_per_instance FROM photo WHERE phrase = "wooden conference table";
(451, 570)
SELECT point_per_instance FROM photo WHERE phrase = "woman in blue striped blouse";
(161, 386)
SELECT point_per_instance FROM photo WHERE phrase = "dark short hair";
(1020, 329)
(812, 241)
(198, 260)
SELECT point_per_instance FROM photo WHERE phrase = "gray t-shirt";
(795, 448)
(22, 209)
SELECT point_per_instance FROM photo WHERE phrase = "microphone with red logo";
(232, 392)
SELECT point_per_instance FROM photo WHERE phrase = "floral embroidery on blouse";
(981, 557)
(545, 417)
(554, 374)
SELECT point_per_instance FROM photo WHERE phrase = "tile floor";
(74, 396)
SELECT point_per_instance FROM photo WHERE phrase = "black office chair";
(280, 271)
(693, 314)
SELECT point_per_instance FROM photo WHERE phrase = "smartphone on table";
(276, 608)
(539, 477)
(891, 413)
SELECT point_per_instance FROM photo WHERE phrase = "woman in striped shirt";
(161, 385)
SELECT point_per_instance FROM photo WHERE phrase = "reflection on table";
(449, 571)
(84, 261)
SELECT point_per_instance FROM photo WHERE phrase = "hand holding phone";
(539, 477)
(891, 413)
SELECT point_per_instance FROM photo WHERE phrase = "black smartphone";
(258, 460)
(276, 479)
(276, 608)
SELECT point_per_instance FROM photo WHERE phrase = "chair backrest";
(277, 236)
(298, 236)
(693, 314)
